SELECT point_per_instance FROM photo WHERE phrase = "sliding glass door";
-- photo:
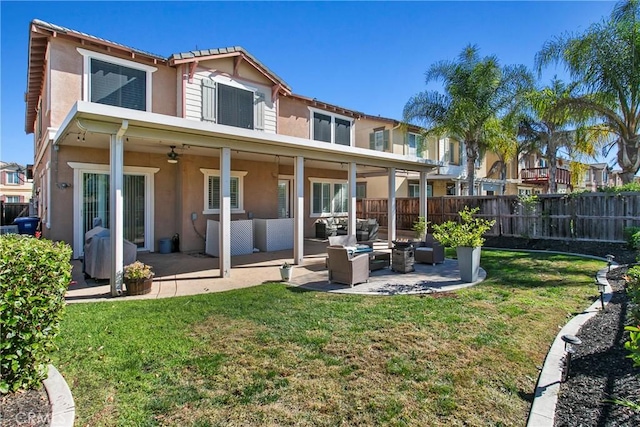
(95, 204)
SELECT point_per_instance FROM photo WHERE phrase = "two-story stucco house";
(14, 185)
(158, 145)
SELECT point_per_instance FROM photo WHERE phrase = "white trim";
(333, 116)
(226, 80)
(48, 195)
(86, 71)
(81, 168)
(333, 182)
(234, 174)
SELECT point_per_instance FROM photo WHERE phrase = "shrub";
(632, 236)
(468, 232)
(34, 275)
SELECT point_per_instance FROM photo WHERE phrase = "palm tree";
(475, 90)
(550, 128)
(501, 136)
(605, 61)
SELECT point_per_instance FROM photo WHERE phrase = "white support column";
(225, 213)
(352, 199)
(423, 198)
(298, 211)
(116, 215)
(391, 208)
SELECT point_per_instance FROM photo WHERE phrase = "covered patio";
(181, 274)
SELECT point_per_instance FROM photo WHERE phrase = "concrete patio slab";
(425, 279)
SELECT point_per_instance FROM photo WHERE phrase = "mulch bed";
(25, 409)
(600, 370)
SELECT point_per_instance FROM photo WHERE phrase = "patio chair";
(429, 252)
(347, 269)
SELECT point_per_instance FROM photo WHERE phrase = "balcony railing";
(541, 176)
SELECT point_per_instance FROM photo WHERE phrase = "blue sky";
(366, 56)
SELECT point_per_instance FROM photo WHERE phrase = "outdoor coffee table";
(379, 260)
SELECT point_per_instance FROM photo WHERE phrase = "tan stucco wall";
(66, 81)
(293, 117)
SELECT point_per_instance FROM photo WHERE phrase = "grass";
(274, 355)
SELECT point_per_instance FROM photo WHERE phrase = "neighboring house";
(14, 185)
(598, 175)
(156, 146)
(530, 175)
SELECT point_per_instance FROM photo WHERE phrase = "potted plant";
(138, 278)
(467, 237)
(285, 271)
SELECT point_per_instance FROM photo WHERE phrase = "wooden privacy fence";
(585, 216)
(11, 211)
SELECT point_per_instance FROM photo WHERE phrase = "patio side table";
(379, 260)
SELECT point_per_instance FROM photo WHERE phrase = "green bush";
(34, 276)
(632, 236)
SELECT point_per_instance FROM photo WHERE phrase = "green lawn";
(274, 355)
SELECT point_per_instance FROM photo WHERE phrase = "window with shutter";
(329, 198)
(235, 107)
(321, 127)
(117, 85)
(343, 132)
(330, 128)
(212, 191)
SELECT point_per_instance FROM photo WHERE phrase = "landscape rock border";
(63, 409)
(543, 408)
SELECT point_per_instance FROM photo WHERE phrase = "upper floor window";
(13, 178)
(13, 199)
(379, 140)
(452, 153)
(114, 81)
(232, 105)
(331, 128)
(212, 191)
(415, 145)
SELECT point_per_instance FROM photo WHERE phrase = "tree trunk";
(472, 156)
(553, 168)
(629, 158)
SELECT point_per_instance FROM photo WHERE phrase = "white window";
(414, 144)
(329, 198)
(327, 127)
(13, 178)
(114, 81)
(228, 102)
(414, 189)
(212, 191)
(13, 199)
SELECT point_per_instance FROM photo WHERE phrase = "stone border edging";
(63, 410)
(543, 408)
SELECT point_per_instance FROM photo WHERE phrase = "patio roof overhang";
(158, 131)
